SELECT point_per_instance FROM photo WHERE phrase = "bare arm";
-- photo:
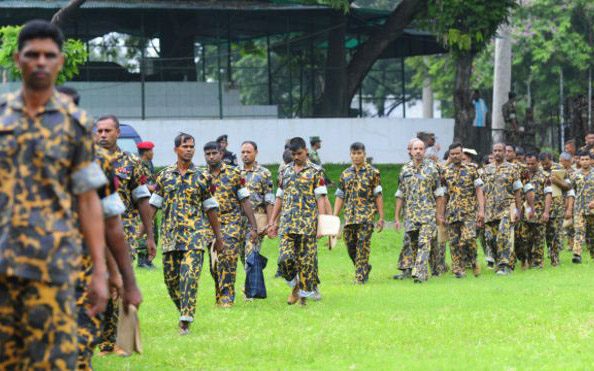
(246, 206)
(379, 204)
(147, 214)
(547, 209)
(397, 212)
(324, 205)
(480, 196)
(215, 224)
(338, 203)
(92, 228)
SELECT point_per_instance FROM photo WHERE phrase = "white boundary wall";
(385, 138)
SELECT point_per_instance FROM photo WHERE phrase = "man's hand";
(272, 231)
(530, 213)
(131, 296)
(480, 218)
(545, 217)
(116, 284)
(440, 220)
(219, 246)
(98, 293)
(152, 249)
(591, 204)
(380, 225)
(397, 224)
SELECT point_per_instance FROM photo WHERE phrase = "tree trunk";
(333, 102)
(67, 11)
(363, 59)
(463, 108)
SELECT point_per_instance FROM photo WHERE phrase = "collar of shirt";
(254, 168)
(53, 104)
(191, 169)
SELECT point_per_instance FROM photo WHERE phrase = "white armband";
(280, 193)
(571, 193)
(141, 192)
(321, 191)
(88, 178)
(243, 193)
(478, 183)
(210, 203)
(269, 198)
(439, 192)
(156, 201)
(548, 190)
(398, 194)
(377, 190)
(528, 187)
(517, 185)
(112, 205)
(339, 193)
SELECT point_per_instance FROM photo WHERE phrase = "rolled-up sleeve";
(528, 187)
(141, 192)
(210, 203)
(517, 185)
(156, 201)
(88, 178)
(243, 193)
(548, 190)
(339, 193)
(112, 205)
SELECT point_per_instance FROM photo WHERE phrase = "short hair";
(109, 117)
(519, 151)
(545, 156)
(252, 143)
(590, 132)
(212, 146)
(531, 155)
(297, 143)
(570, 141)
(455, 145)
(40, 29)
(565, 156)
(222, 138)
(583, 153)
(71, 92)
(357, 146)
(143, 151)
(181, 138)
(499, 144)
(417, 140)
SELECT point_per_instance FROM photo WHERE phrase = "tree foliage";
(74, 51)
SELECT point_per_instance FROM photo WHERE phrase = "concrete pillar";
(427, 99)
(501, 79)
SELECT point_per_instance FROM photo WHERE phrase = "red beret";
(145, 145)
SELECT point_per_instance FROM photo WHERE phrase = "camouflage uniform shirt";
(132, 178)
(45, 161)
(500, 183)
(540, 183)
(183, 200)
(419, 187)
(259, 184)
(558, 205)
(299, 193)
(461, 182)
(359, 189)
(583, 185)
(229, 189)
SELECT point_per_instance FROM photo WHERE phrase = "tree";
(466, 27)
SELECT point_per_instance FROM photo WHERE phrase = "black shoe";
(406, 273)
(576, 259)
(490, 265)
(417, 280)
(459, 275)
(503, 271)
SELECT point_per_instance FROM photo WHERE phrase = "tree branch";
(66, 12)
(372, 49)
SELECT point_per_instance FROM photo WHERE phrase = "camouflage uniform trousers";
(569, 233)
(109, 326)
(141, 245)
(487, 249)
(357, 238)
(420, 247)
(37, 325)
(499, 234)
(553, 235)
(225, 269)
(462, 244)
(88, 328)
(297, 262)
(437, 257)
(584, 232)
(407, 254)
(181, 272)
(532, 239)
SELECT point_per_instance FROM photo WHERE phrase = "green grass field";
(535, 319)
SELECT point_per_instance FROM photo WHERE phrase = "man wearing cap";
(145, 151)
(316, 143)
(228, 157)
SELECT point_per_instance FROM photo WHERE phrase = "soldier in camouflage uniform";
(47, 186)
(554, 227)
(512, 129)
(259, 183)
(228, 157)
(421, 193)
(464, 192)
(502, 187)
(360, 192)
(300, 198)
(145, 151)
(132, 187)
(183, 193)
(566, 161)
(533, 225)
(583, 207)
(229, 189)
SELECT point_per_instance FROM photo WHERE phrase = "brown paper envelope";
(128, 330)
(328, 225)
(261, 222)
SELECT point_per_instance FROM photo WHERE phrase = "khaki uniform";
(583, 216)
(500, 184)
(419, 187)
(45, 162)
(299, 193)
(359, 188)
(554, 227)
(461, 182)
(183, 200)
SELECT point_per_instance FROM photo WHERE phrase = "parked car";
(128, 139)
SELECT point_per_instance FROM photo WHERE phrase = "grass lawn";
(530, 320)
